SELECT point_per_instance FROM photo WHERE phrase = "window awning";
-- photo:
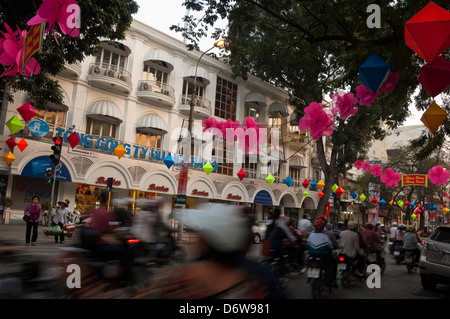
(160, 57)
(255, 100)
(105, 111)
(202, 75)
(152, 123)
(278, 108)
(296, 162)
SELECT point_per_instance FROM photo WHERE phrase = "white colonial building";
(137, 92)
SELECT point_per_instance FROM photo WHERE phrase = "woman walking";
(33, 211)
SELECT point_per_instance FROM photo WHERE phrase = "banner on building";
(182, 185)
(32, 43)
(415, 179)
(326, 212)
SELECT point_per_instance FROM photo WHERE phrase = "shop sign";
(155, 188)
(263, 197)
(109, 145)
(196, 192)
(38, 127)
(414, 179)
(233, 197)
(103, 180)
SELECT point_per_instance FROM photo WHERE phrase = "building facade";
(138, 92)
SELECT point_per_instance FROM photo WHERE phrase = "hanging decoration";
(365, 95)
(14, 124)
(389, 84)
(320, 194)
(435, 76)
(11, 50)
(11, 142)
(73, 140)
(382, 202)
(27, 111)
(313, 185)
(427, 33)
(362, 197)
(305, 183)
(433, 117)
(376, 170)
(53, 11)
(317, 121)
(9, 158)
(344, 104)
(208, 168)
(354, 195)
(270, 179)
(288, 181)
(241, 174)
(438, 175)
(374, 72)
(320, 185)
(169, 161)
(22, 144)
(120, 151)
(339, 191)
(390, 178)
(305, 194)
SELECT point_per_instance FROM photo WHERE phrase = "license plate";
(313, 273)
(396, 253)
(342, 266)
(408, 259)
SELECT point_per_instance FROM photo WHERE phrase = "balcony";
(110, 77)
(71, 70)
(202, 107)
(156, 92)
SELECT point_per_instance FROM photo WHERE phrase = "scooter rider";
(410, 241)
(350, 243)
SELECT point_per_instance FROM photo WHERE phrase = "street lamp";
(182, 182)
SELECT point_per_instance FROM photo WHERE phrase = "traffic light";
(56, 156)
(49, 176)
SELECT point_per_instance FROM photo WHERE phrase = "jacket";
(349, 241)
(34, 210)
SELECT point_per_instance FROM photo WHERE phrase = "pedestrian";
(60, 218)
(33, 211)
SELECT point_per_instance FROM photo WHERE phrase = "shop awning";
(276, 108)
(106, 111)
(160, 57)
(152, 123)
(202, 75)
(255, 100)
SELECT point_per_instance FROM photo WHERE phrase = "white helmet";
(224, 227)
(394, 224)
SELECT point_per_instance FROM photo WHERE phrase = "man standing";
(305, 226)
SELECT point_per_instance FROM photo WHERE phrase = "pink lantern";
(344, 104)
(438, 175)
(390, 178)
(366, 166)
(52, 11)
(376, 170)
(317, 121)
(389, 85)
(358, 164)
(366, 96)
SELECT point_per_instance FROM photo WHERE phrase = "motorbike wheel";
(316, 288)
(345, 280)
(178, 256)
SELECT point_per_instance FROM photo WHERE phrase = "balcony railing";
(156, 87)
(112, 71)
(199, 102)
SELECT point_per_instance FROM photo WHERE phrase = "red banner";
(415, 179)
(326, 212)
(32, 43)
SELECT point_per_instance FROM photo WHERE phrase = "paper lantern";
(362, 197)
(427, 33)
(374, 72)
(313, 185)
(208, 168)
(270, 179)
(339, 191)
(391, 202)
(412, 204)
(305, 193)
(241, 174)
(433, 117)
(435, 76)
(9, 158)
(407, 203)
(353, 195)
(400, 203)
(169, 161)
(11, 142)
(382, 202)
(413, 216)
(22, 144)
(14, 124)
(320, 194)
(305, 183)
(445, 210)
(120, 151)
(288, 181)
(334, 188)
(73, 139)
(27, 111)
(374, 200)
(320, 184)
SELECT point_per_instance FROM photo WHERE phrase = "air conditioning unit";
(145, 86)
(96, 69)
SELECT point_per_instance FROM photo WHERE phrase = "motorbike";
(371, 258)
(410, 260)
(399, 254)
(346, 269)
(315, 275)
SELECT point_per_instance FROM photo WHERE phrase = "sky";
(162, 14)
